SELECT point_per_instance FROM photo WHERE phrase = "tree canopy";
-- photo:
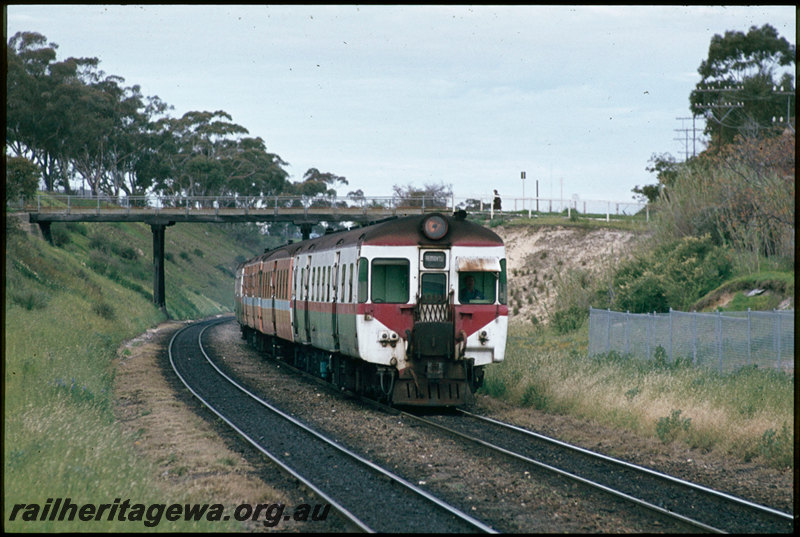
(746, 92)
(739, 91)
(77, 125)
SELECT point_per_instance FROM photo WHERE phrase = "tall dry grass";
(742, 196)
(748, 414)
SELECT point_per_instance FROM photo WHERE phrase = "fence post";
(694, 337)
(719, 338)
(627, 333)
(608, 331)
(749, 340)
(649, 333)
(777, 318)
(670, 334)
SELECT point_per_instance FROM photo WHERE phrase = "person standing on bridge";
(497, 203)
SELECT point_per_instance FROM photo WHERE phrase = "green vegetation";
(115, 140)
(69, 309)
(747, 414)
(722, 224)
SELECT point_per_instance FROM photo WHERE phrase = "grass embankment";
(748, 414)
(68, 309)
(636, 223)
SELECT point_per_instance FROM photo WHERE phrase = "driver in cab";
(469, 293)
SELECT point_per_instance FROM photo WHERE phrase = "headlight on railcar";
(483, 337)
(434, 227)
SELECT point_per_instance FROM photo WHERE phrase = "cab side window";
(390, 280)
(476, 287)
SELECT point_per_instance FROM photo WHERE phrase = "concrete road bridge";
(162, 211)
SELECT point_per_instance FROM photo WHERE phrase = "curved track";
(689, 503)
(369, 497)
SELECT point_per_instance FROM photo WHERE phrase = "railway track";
(698, 506)
(369, 497)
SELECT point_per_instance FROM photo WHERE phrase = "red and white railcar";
(410, 310)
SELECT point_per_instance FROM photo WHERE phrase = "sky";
(578, 97)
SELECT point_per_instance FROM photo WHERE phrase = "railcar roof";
(404, 231)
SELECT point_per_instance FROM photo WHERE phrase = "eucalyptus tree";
(37, 97)
(206, 154)
(250, 170)
(739, 93)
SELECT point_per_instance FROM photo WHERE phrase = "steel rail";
(339, 508)
(474, 523)
(392, 476)
(572, 476)
(626, 464)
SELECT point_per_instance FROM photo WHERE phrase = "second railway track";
(698, 506)
(371, 498)
(471, 477)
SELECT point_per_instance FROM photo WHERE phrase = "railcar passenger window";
(350, 285)
(476, 287)
(363, 269)
(390, 279)
(342, 288)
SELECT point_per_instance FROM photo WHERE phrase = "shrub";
(60, 235)
(98, 261)
(127, 252)
(777, 448)
(570, 319)
(29, 299)
(674, 275)
(668, 428)
(104, 310)
(22, 179)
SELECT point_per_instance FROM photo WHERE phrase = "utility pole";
(685, 130)
(727, 104)
(789, 95)
(522, 176)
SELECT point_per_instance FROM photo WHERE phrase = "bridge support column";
(305, 230)
(159, 298)
(44, 227)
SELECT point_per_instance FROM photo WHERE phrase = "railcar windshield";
(434, 287)
(390, 280)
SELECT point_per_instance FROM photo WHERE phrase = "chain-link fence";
(724, 341)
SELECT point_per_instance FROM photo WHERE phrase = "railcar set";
(408, 310)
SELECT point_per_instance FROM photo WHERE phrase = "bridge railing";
(151, 204)
(64, 203)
